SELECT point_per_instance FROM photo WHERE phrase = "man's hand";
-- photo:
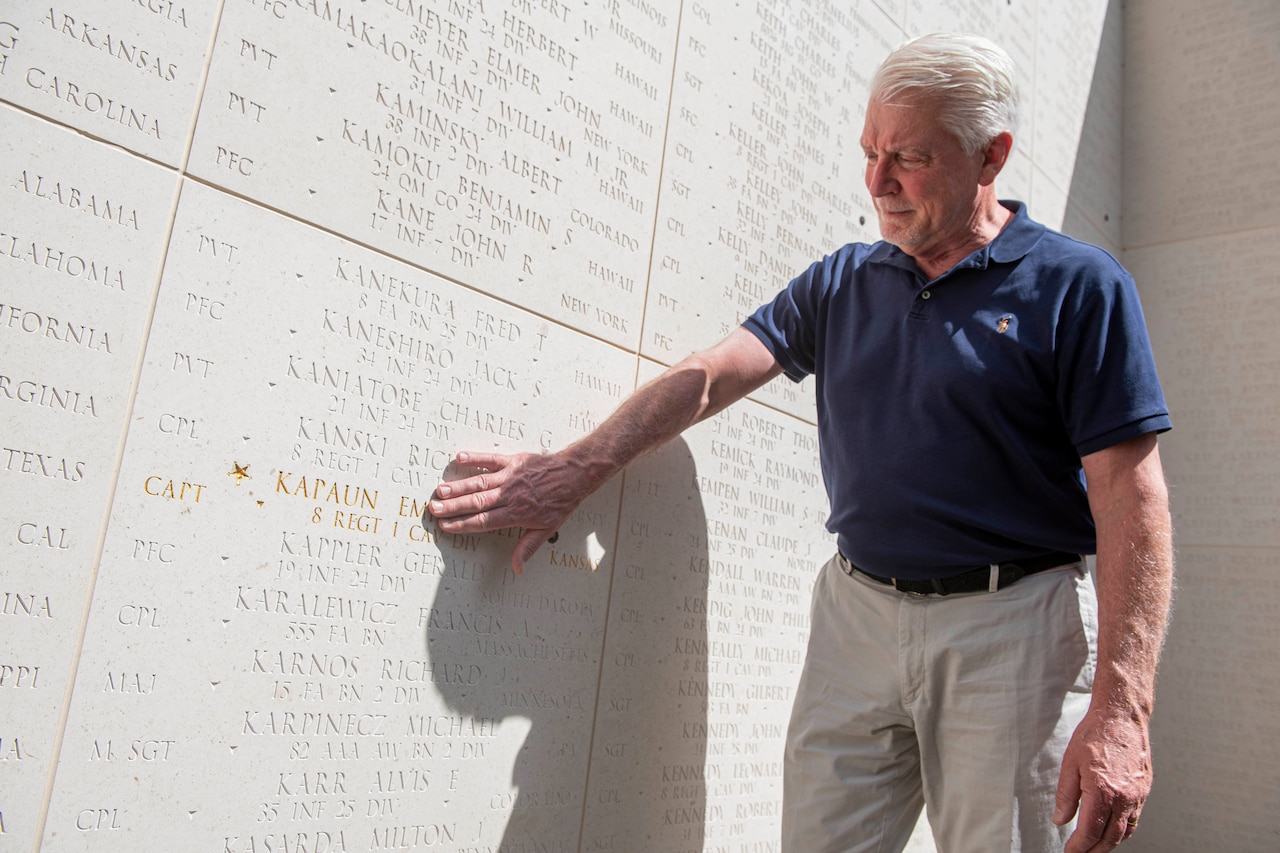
(537, 493)
(1107, 766)
(1107, 771)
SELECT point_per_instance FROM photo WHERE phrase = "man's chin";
(896, 235)
(895, 226)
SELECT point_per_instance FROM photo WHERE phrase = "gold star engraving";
(240, 472)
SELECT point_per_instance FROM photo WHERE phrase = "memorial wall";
(266, 265)
(1202, 237)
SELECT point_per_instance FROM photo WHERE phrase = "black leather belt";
(978, 579)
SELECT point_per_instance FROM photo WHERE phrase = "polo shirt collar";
(1017, 238)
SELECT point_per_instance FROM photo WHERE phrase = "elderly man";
(987, 411)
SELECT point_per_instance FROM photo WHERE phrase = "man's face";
(923, 185)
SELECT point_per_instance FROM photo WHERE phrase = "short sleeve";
(791, 325)
(1108, 389)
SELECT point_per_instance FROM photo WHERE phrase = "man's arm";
(538, 492)
(1107, 765)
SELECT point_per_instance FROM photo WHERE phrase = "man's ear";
(994, 156)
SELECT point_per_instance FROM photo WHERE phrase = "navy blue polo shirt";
(953, 413)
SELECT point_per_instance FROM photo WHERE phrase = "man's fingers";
(467, 504)
(526, 547)
(1068, 796)
(1104, 822)
(1089, 830)
(518, 490)
(492, 461)
(470, 485)
(476, 493)
(479, 494)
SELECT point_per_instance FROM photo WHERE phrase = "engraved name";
(47, 257)
(316, 605)
(93, 102)
(36, 394)
(75, 198)
(53, 328)
(40, 465)
(111, 44)
(33, 604)
(313, 723)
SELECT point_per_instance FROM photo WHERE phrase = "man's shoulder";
(1064, 254)
(1045, 245)
(843, 266)
(1068, 247)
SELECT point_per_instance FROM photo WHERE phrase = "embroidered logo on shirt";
(1002, 325)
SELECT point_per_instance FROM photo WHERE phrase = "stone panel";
(1067, 38)
(708, 622)
(763, 169)
(1094, 194)
(271, 612)
(1206, 112)
(1216, 771)
(514, 148)
(128, 73)
(1202, 299)
(82, 228)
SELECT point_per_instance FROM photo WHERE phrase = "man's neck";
(988, 220)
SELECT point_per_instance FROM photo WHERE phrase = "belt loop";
(845, 565)
(994, 583)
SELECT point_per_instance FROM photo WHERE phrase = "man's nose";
(880, 179)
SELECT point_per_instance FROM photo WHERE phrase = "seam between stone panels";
(657, 200)
(204, 83)
(403, 261)
(635, 383)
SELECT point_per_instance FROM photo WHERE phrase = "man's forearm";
(538, 492)
(1106, 770)
(1135, 587)
(691, 391)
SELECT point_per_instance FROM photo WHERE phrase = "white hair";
(969, 78)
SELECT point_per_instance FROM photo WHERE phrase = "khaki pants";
(961, 703)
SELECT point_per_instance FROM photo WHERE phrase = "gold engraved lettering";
(160, 487)
(326, 492)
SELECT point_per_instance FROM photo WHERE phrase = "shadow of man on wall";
(608, 668)
(648, 783)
